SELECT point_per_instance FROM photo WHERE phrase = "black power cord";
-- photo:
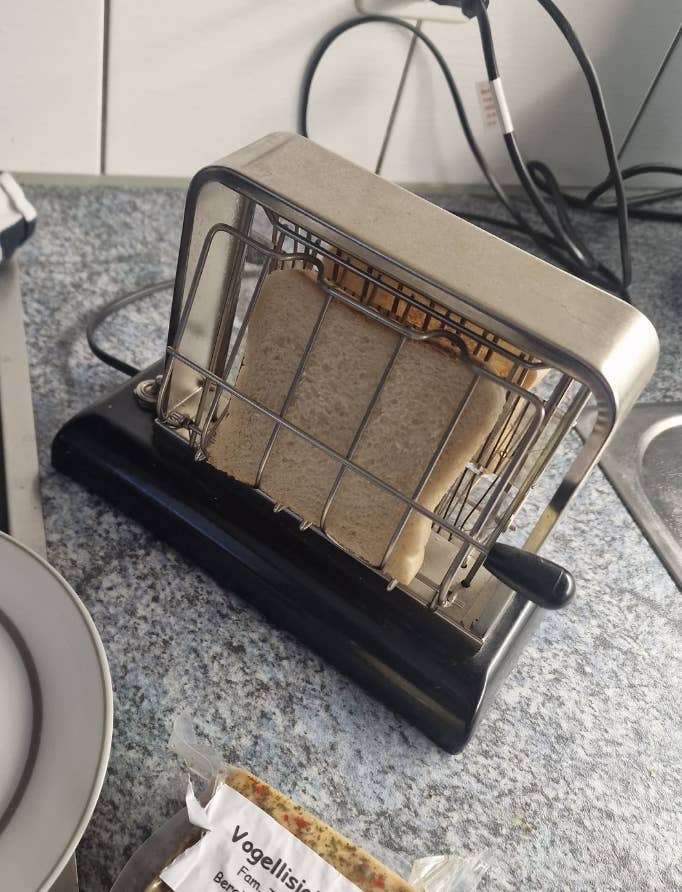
(590, 74)
(548, 243)
(562, 231)
(341, 28)
(541, 175)
(562, 244)
(101, 315)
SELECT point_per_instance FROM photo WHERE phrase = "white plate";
(55, 719)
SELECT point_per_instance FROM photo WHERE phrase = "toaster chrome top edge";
(582, 330)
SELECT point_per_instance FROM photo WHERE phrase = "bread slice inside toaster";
(355, 864)
(421, 394)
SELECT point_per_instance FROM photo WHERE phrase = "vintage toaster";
(363, 422)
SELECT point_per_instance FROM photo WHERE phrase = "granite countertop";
(574, 776)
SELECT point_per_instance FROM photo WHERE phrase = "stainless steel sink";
(644, 464)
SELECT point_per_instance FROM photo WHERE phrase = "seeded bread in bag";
(352, 862)
(420, 397)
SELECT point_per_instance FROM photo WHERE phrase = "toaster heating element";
(441, 414)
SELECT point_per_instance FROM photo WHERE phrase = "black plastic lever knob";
(541, 581)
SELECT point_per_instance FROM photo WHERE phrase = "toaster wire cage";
(543, 342)
(482, 503)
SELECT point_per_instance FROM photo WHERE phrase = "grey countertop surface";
(573, 779)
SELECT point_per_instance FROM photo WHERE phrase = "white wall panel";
(190, 82)
(51, 85)
(546, 92)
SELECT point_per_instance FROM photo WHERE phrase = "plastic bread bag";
(240, 834)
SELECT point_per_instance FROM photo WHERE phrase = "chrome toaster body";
(550, 343)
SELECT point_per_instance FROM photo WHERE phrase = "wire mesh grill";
(482, 502)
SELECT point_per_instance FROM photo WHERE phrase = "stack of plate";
(55, 719)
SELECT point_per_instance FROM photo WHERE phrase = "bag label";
(245, 850)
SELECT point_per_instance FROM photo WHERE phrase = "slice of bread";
(482, 347)
(405, 311)
(418, 402)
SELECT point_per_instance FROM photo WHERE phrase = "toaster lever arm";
(534, 577)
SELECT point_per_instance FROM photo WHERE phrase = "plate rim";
(107, 730)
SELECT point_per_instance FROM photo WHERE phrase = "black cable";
(636, 206)
(606, 278)
(552, 248)
(564, 245)
(628, 173)
(652, 198)
(347, 25)
(99, 316)
(566, 234)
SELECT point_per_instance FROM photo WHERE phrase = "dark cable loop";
(335, 32)
(544, 178)
(101, 315)
(626, 174)
(539, 175)
(589, 203)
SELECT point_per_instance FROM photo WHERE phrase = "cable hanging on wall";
(561, 243)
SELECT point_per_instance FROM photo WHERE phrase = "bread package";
(245, 835)
(420, 396)
(349, 860)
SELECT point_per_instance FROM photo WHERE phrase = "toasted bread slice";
(352, 862)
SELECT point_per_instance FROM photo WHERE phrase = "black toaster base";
(406, 656)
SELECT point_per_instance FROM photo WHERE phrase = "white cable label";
(245, 850)
(487, 103)
(502, 107)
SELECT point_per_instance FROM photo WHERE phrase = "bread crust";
(354, 284)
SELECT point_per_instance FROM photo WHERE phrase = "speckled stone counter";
(574, 777)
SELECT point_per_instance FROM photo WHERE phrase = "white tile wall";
(658, 135)
(51, 85)
(189, 82)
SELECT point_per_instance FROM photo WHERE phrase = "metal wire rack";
(482, 502)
